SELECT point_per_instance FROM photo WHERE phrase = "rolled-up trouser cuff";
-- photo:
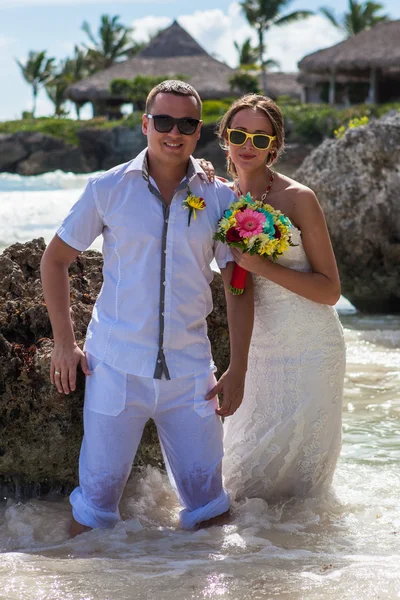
(89, 515)
(189, 518)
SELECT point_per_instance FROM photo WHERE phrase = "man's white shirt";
(150, 316)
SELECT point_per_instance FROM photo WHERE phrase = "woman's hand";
(253, 263)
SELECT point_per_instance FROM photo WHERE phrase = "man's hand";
(231, 385)
(64, 361)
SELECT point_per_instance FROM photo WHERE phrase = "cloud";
(6, 42)
(216, 31)
(148, 26)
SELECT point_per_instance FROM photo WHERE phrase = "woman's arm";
(240, 314)
(322, 284)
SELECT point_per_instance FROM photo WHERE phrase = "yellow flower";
(193, 203)
(225, 224)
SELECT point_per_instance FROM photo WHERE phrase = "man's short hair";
(172, 86)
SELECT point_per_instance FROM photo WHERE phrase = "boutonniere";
(193, 203)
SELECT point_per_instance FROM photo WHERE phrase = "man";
(147, 351)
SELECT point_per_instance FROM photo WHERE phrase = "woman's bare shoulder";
(288, 185)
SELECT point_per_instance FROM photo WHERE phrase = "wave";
(56, 180)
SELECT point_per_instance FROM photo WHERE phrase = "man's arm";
(66, 354)
(240, 312)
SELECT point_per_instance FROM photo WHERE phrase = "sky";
(55, 26)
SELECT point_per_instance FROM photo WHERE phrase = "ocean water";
(343, 546)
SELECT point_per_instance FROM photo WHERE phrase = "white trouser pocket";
(204, 383)
(105, 390)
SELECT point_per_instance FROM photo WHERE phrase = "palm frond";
(293, 17)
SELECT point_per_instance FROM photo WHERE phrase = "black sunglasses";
(165, 124)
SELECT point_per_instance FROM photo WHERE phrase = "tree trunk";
(34, 100)
(261, 55)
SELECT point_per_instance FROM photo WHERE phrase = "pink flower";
(249, 222)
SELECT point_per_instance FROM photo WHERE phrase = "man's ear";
(199, 130)
(145, 124)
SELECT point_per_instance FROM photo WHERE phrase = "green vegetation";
(305, 123)
(244, 83)
(248, 56)
(352, 124)
(137, 89)
(113, 42)
(65, 129)
(37, 70)
(312, 123)
(361, 16)
(262, 15)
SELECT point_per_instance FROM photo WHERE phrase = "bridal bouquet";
(256, 228)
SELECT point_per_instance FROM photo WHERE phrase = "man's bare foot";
(219, 520)
(77, 528)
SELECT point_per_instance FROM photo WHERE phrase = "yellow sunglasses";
(261, 141)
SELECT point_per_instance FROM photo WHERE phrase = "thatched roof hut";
(372, 56)
(172, 52)
(282, 84)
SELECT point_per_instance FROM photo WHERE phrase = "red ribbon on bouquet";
(238, 280)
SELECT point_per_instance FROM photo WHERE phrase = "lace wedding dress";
(284, 440)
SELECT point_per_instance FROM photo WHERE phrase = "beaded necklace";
(265, 194)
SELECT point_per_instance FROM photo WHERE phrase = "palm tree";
(361, 15)
(55, 89)
(248, 55)
(36, 71)
(262, 15)
(114, 42)
(74, 69)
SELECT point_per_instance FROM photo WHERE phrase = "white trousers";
(117, 407)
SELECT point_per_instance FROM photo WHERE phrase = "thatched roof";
(172, 52)
(171, 42)
(282, 84)
(378, 47)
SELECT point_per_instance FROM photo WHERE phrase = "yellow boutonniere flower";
(193, 203)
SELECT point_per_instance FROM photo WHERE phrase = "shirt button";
(163, 314)
(164, 283)
(159, 360)
(166, 220)
(165, 252)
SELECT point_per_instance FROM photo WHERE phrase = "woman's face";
(247, 157)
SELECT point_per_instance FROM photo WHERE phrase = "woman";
(284, 440)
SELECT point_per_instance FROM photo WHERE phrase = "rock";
(106, 148)
(41, 430)
(69, 159)
(33, 141)
(357, 181)
(11, 152)
(33, 153)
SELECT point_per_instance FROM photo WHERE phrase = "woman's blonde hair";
(271, 111)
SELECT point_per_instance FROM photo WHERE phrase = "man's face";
(172, 148)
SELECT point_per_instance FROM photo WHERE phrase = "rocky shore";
(41, 430)
(33, 153)
(357, 181)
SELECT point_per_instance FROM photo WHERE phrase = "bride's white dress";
(284, 440)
